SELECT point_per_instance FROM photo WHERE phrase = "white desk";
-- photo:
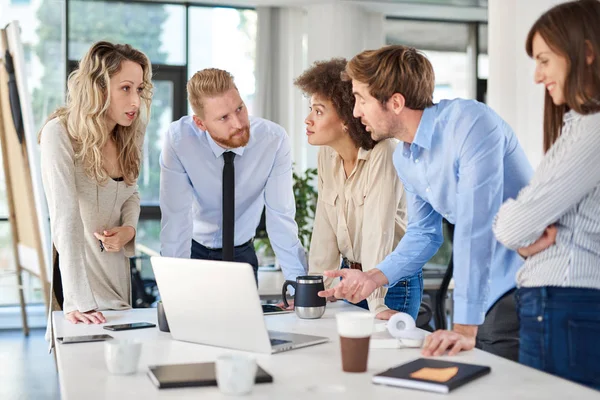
(311, 373)
(271, 282)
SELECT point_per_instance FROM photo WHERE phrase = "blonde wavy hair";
(88, 100)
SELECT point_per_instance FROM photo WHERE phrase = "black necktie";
(228, 206)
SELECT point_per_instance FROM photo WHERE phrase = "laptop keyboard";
(275, 342)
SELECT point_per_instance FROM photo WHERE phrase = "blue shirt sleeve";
(280, 212)
(480, 191)
(421, 241)
(176, 196)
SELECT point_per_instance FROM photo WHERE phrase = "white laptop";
(216, 303)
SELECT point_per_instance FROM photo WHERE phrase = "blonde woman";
(90, 155)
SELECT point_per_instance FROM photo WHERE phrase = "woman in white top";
(555, 221)
(361, 210)
(90, 158)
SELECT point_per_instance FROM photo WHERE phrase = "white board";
(16, 48)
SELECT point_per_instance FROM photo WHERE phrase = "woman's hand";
(547, 239)
(89, 317)
(386, 314)
(114, 239)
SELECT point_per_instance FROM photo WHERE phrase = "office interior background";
(476, 48)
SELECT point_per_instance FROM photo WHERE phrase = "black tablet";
(189, 375)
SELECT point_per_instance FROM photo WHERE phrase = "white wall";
(511, 90)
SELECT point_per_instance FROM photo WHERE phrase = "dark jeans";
(244, 253)
(499, 333)
(405, 296)
(560, 328)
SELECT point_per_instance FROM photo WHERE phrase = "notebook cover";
(192, 375)
(400, 375)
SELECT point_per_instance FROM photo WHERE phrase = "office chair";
(440, 298)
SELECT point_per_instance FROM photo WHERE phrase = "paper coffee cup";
(355, 329)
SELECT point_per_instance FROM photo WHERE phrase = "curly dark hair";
(323, 78)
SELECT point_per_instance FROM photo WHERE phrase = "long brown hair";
(88, 100)
(571, 30)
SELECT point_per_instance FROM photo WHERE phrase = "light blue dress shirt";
(191, 191)
(463, 163)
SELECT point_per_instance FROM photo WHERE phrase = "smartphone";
(269, 309)
(83, 339)
(126, 327)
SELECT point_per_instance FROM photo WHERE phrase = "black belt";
(352, 265)
(249, 242)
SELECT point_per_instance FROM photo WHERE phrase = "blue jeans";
(243, 253)
(560, 328)
(405, 296)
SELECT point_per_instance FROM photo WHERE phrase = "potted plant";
(306, 204)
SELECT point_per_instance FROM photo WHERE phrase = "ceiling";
(436, 36)
(449, 10)
(456, 3)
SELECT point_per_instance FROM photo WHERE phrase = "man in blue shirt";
(193, 200)
(458, 160)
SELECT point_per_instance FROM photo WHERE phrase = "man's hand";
(89, 317)
(461, 338)
(385, 314)
(114, 239)
(282, 305)
(547, 239)
(355, 285)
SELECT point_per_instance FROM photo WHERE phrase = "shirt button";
(540, 318)
(416, 160)
(428, 189)
(445, 215)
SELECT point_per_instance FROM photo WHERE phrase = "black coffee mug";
(163, 324)
(307, 302)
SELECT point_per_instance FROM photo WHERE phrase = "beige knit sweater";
(78, 206)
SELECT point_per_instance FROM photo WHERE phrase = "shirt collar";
(424, 134)
(570, 115)
(362, 154)
(218, 150)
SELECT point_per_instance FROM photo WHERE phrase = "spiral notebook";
(431, 375)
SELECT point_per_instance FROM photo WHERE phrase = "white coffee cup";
(122, 356)
(235, 373)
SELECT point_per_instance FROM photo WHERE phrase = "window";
(445, 45)
(218, 38)
(157, 30)
(224, 38)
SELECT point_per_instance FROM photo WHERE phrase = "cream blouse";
(361, 217)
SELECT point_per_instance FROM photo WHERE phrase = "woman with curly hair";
(361, 211)
(90, 156)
